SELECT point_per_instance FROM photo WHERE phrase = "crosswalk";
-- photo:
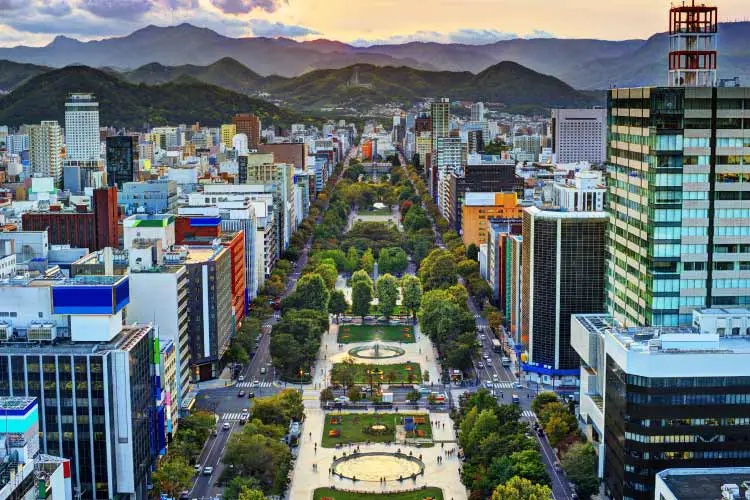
(231, 416)
(528, 414)
(250, 385)
(503, 385)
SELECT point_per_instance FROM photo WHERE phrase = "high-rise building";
(123, 159)
(579, 135)
(680, 200)
(563, 274)
(661, 397)
(440, 120)
(480, 208)
(45, 148)
(248, 124)
(529, 144)
(228, 131)
(82, 127)
(477, 112)
(693, 56)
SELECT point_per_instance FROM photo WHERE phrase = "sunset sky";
(37, 22)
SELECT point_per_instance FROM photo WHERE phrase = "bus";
(497, 346)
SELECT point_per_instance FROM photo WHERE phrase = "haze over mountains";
(584, 64)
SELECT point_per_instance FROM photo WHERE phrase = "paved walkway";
(443, 475)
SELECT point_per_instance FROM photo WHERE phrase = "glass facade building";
(679, 229)
(123, 155)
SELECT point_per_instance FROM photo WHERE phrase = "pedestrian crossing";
(528, 414)
(250, 385)
(231, 416)
(503, 385)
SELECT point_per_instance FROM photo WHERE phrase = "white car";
(342, 399)
(483, 336)
(226, 426)
(208, 470)
(255, 383)
(241, 378)
(486, 356)
(488, 384)
(488, 361)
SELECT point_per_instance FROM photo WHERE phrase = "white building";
(82, 127)
(477, 112)
(45, 147)
(584, 193)
(579, 135)
(726, 483)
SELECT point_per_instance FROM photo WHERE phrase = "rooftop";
(702, 484)
(200, 254)
(10, 405)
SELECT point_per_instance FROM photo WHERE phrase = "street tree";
(337, 304)
(312, 293)
(580, 464)
(327, 271)
(250, 494)
(367, 262)
(326, 395)
(387, 293)
(472, 252)
(173, 476)
(521, 489)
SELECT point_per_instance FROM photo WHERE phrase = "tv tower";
(692, 45)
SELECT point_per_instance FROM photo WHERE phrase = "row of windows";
(676, 214)
(694, 422)
(688, 399)
(739, 283)
(687, 382)
(677, 438)
(690, 455)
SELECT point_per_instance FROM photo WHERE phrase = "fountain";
(376, 351)
(373, 466)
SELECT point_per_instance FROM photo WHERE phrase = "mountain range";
(582, 63)
(358, 87)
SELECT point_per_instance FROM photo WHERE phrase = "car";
(250, 395)
(262, 370)
(226, 426)
(480, 365)
(241, 378)
(243, 418)
(483, 337)
(515, 399)
(255, 383)
(342, 399)
(208, 470)
(573, 496)
(241, 394)
(185, 495)
(197, 468)
(488, 384)
(557, 467)
(495, 377)
(486, 356)
(540, 432)
(488, 361)
(245, 410)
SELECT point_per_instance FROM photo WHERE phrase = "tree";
(248, 494)
(354, 394)
(328, 272)
(173, 476)
(361, 275)
(343, 373)
(387, 290)
(414, 396)
(326, 395)
(367, 262)
(279, 409)
(237, 485)
(543, 399)
(392, 260)
(467, 267)
(411, 293)
(337, 304)
(256, 455)
(521, 489)
(312, 293)
(352, 258)
(438, 270)
(580, 465)
(361, 298)
(472, 252)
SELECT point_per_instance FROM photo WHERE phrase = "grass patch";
(403, 373)
(377, 211)
(370, 333)
(351, 427)
(434, 493)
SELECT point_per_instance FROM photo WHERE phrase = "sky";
(361, 22)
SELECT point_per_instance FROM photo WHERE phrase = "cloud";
(11, 4)
(57, 9)
(117, 9)
(479, 37)
(246, 6)
(179, 4)
(540, 34)
(463, 36)
(262, 27)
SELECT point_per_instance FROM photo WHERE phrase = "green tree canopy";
(173, 476)
(387, 293)
(361, 298)
(337, 304)
(411, 292)
(521, 489)
(580, 465)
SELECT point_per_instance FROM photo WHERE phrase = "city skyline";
(36, 23)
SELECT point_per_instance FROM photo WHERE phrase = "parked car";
(197, 468)
(243, 418)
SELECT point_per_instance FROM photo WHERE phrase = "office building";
(248, 124)
(703, 483)
(63, 344)
(150, 197)
(45, 150)
(290, 153)
(579, 135)
(477, 112)
(480, 208)
(15, 144)
(439, 120)
(24, 472)
(665, 397)
(563, 274)
(78, 176)
(498, 260)
(79, 226)
(123, 159)
(583, 193)
(228, 131)
(530, 145)
(82, 128)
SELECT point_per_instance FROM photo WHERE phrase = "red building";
(248, 124)
(196, 229)
(294, 153)
(236, 244)
(78, 226)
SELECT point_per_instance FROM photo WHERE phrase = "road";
(257, 377)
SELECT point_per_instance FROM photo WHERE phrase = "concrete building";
(63, 343)
(24, 472)
(31, 248)
(290, 153)
(583, 193)
(45, 150)
(563, 274)
(528, 144)
(439, 120)
(228, 131)
(150, 197)
(248, 124)
(579, 135)
(82, 127)
(477, 112)
(702, 483)
(657, 397)
(480, 208)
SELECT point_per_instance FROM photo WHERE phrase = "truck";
(497, 346)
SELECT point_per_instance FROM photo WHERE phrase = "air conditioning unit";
(41, 331)
(6, 331)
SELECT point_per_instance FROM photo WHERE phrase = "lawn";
(331, 494)
(351, 427)
(371, 333)
(380, 373)
(378, 211)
